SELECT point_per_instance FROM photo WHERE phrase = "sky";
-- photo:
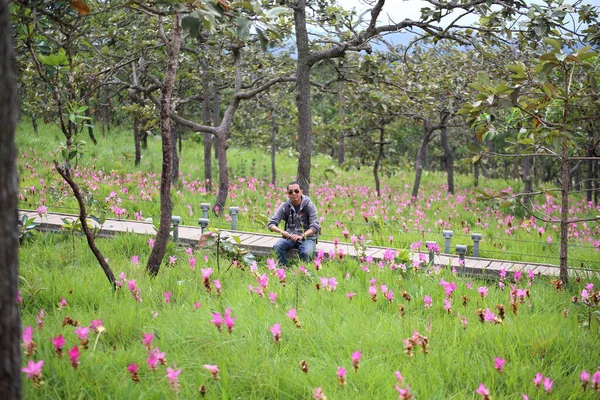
(399, 10)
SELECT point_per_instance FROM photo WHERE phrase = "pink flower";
(483, 291)
(350, 295)
(197, 305)
(585, 378)
(549, 239)
(318, 394)
(96, 325)
(292, 314)
(547, 385)
(341, 373)
(147, 340)
(538, 380)
(217, 320)
(167, 297)
(213, 369)
(273, 298)
(596, 379)
(173, 377)
(356, 359)
(229, 320)
(58, 343)
(19, 298)
(82, 333)
(518, 275)
(135, 260)
(218, 286)
(448, 305)
(192, 262)
(499, 364)
(33, 369)
(62, 304)
(28, 343)
(74, 356)
(427, 300)
(483, 391)
(502, 273)
(135, 291)
(489, 316)
(133, 370)
(276, 332)
(151, 243)
(172, 260)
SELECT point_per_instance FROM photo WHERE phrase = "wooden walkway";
(261, 244)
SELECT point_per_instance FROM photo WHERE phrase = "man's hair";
(294, 183)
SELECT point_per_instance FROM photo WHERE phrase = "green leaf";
(192, 25)
(243, 27)
(557, 45)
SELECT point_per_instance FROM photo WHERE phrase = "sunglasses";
(294, 191)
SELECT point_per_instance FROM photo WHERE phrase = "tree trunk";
(174, 155)
(34, 124)
(378, 162)
(166, 207)
(136, 140)
(274, 131)
(303, 97)
(447, 152)
(564, 215)
(206, 119)
(10, 324)
(83, 217)
(427, 134)
(341, 113)
(90, 127)
(223, 191)
(216, 116)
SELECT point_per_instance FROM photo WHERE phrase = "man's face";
(294, 192)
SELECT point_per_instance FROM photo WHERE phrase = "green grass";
(542, 337)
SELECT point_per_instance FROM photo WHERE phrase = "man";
(301, 225)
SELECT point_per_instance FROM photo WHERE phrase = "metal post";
(175, 220)
(461, 249)
(447, 235)
(205, 207)
(233, 211)
(476, 238)
(429, 248)
(203, 222)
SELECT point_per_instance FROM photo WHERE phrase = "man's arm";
(313, 221)
(275, 219)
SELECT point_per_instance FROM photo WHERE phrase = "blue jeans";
(306, 249)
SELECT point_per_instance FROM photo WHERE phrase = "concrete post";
(233, 211)
(476, 239)
(203, 222)
(447, 235)
(175, 220)
(205, 207)
(461, 249)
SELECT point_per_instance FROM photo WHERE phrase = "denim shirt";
(293, 220)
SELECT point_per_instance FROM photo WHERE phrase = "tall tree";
(10, 324)
(166, 178)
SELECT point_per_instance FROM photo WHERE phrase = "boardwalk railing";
(261, 244)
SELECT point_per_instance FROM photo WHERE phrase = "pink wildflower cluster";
(329, 284)
(587, 377)
(540, 379)
(225, 319)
